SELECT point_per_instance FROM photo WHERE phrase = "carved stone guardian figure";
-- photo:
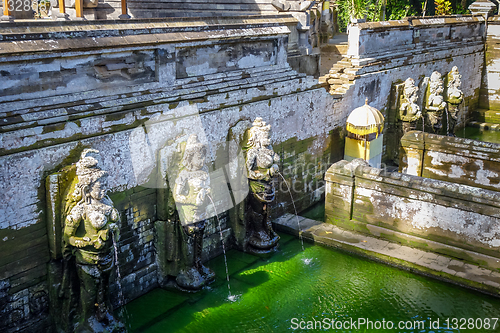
(434, 102)
(191, 190)
(89, 228)
(409, 111)
(261, 167)
(454, 98)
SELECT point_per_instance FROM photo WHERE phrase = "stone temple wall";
(136, 89)
(132, 90)
(439, 216)
(387, 53)
(468, 162)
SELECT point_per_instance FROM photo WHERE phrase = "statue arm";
(179, 187)
(432, 107)
(253, 172)
(276, 158)
(114, 217)
(403, 110)
(72, 222)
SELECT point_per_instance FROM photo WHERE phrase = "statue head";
(436, 83)
(195, 154)
(259, 133)
(92, 180)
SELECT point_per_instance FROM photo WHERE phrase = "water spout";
(296, 214)
(121, 299)
(447, 121)
(232, 298)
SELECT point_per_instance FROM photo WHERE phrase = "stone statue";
(409, 111)
(192, 187)
(454, 98)
(435, 104)
(89, 228)
(261, 167)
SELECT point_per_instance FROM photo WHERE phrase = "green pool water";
(478, 134)
(316, 284)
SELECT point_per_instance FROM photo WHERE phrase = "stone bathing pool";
(276, 294)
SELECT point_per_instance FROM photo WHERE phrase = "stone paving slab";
(416, 260)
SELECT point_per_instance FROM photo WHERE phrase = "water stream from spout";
(447, 121)
(464, 122)
(121, 299)
(232, 298)
(296, 214)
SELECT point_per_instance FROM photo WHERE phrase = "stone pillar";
(124, 14)
(482, 7)
(411, 155)
(339, 193)
(7, 13)
(62, 11)
(79, 9)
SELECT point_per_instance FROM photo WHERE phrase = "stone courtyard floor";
(416, 260)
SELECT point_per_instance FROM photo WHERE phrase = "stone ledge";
(485, 126)
(420, 22)
(43, 29)
(51, 45)
(418, 261)
(128, 113)
(268, 77)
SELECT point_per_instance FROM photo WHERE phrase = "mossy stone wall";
(416, 211)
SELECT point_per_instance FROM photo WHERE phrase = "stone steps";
(341, 76)
(485, 126)
(422, 262)
(192, 8)
(189, 88)
(87, 114)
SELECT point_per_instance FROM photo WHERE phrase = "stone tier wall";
(132, 89)
(386, 53)
(435, 215)
(464, 161)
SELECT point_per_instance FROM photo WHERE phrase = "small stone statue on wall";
(261, 167)
(89, 228)
(192, 187)
(454, 98)
(434, 102)
(409, 111)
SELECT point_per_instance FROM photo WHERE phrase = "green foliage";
(443, 7)
(373, 10)
(397, 10)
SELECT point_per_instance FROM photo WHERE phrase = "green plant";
(443, 7)
(373, 10)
